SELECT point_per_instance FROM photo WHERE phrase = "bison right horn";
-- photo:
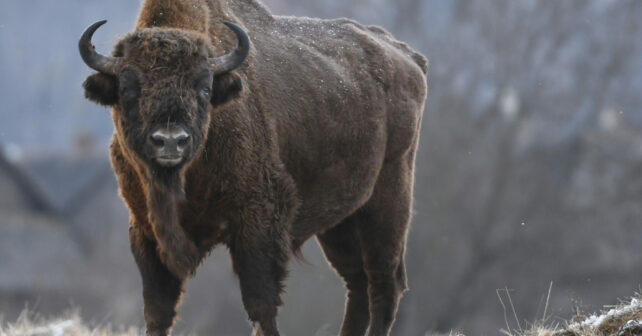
(96, 61)
(233, 60)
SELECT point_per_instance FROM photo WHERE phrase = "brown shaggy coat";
(315, 134)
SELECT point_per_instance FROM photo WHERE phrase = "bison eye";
(205, 91)
(129, 98)
(203, 84)
(129, 94)
(129, 89)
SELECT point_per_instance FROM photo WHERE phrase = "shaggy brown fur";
(315, 134)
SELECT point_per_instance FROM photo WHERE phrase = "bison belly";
(335, 168)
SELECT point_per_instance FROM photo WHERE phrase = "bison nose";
(173, 140)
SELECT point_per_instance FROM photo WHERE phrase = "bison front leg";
(260, 263)
(161, 288)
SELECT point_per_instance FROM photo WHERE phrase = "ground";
(624, 319)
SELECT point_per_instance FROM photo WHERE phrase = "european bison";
(309, 130)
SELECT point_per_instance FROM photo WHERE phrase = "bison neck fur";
(315, 134)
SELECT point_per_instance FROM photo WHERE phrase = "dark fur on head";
(159, 83)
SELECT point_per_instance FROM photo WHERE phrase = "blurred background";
(528, 172)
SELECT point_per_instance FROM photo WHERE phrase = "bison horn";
(94, 60)
(233, 60)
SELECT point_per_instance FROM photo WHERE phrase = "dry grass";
(28, 325)
(624, 319)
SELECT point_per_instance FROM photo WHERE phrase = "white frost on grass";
(594, 321)
(71, 326)
(54, 329)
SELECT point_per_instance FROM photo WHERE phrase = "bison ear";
(226, 87)
(101, 89)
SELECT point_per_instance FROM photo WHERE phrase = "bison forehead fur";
(313, 134)
(160, 51)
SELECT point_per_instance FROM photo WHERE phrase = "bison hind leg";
(343, 251)
(382, 233)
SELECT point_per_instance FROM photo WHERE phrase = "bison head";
(161, 84)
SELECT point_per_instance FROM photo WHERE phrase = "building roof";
(18, 191)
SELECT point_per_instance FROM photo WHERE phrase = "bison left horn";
(96, 61)
(233, 60)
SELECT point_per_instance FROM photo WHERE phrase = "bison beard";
(310, 132)
(176, 250)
